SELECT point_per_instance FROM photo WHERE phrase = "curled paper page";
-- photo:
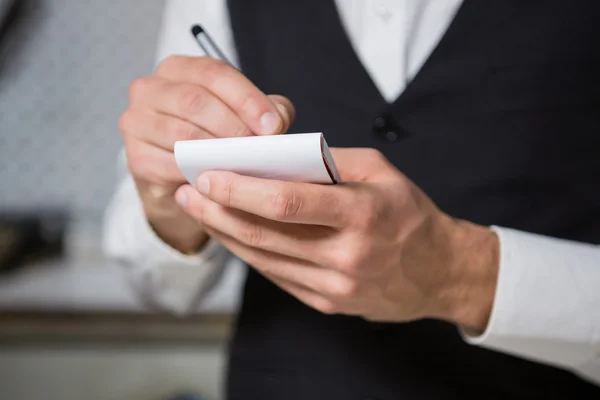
(302, 157)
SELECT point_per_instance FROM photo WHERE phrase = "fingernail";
(181, 198)
(203, 184)
(269, 123)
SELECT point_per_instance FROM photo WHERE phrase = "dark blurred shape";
(26, 237)
(7, 8)
(18, 19)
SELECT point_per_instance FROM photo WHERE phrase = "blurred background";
(70, 325)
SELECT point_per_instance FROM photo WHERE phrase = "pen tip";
(196, 30)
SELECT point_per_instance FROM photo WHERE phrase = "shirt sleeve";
(162, 276)
(547, 303)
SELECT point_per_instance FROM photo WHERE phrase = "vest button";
(391, 136)
(379, 123)
(386, 128)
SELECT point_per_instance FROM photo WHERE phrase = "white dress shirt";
(547, 304)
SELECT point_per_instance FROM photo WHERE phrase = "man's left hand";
(374, 246)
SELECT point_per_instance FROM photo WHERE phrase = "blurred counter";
(73, 328)
(84, 295)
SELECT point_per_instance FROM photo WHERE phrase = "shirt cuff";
(547, 302)
(164, 277)
(162, 252)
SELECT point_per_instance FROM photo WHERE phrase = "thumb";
(362, 164)
(286, 110)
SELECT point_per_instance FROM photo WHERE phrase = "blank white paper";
(302, 157)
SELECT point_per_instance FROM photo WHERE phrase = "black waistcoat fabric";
(500, 126)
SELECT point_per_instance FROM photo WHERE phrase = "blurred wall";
(65, 66)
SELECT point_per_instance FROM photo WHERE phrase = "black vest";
(500, 126)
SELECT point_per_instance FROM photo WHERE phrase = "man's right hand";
(189, 98)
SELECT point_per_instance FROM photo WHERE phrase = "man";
(458, 259)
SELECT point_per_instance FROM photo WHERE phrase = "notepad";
(302, 157)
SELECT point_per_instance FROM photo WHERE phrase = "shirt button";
(383, 12)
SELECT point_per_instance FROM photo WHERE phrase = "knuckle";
(184, 131)
(250, 105)
(145, 167)
(286, 204)
(348, 260)
(226, 123)
(212, 70)
(253, 235)
(326, 306)
(344, 260)
(170, 65)
(289, 111)
(125, 122)
(342, 287)
(192, 101)
(135, 161)
(368, 219)
(225, 188)
(242, 130)
(137, 88)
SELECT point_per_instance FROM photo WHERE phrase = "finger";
(305, 242)
(160, 129)
(373, 165)
(189, 102)
(325, 290)
(294, 271)
(310, 298)
(151, 163)
(286, 110)
(289, 202)
(229, 85)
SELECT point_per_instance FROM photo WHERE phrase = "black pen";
(212, 50)
(208, 45)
